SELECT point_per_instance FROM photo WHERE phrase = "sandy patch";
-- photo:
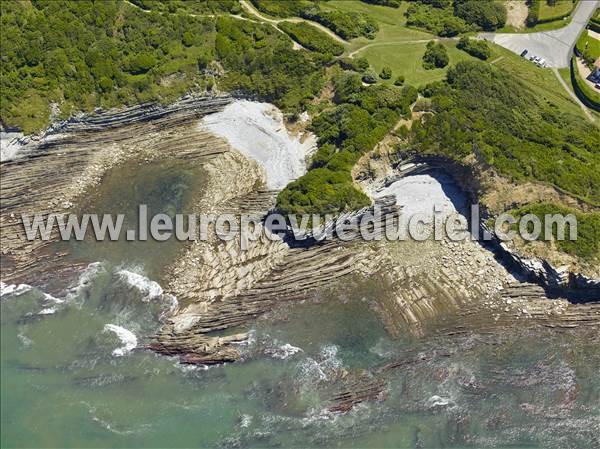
(419, 194)
(516, 13)
(258, 131)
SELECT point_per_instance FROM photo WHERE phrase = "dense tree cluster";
(485, 112)
(439, 20)
(452, 17)
(347, 25)
(311, 38)
(533, 13)
(390, 3)
(84, 54)
(190, 6)
(436, 56)
(361, 118)
(477, 48)
(489, 15)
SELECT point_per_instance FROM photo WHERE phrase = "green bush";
(348, 25)
(369, 77)
(436, 56)
(357, 64)
(386, 73)
(311, 38)
(533, 14)
(486, 14)
(390, 3)
(477, 48)
(363, 116)
(440, 21)
(399, 80)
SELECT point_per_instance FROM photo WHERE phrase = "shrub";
(477, 48)
(399, 80)
(533, 14)
(369, 77)
(390, 3)
(487, 14)
(386, 73)
(436, 56)
(311, 38)
(348, 25)
(357, 64)
(440, 21)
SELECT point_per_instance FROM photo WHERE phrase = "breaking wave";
(128, 339)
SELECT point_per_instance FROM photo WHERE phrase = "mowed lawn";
(407, 59)
(590, 44)
(561, 7)
(391, 22)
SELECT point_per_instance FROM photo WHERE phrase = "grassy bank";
(586, 246)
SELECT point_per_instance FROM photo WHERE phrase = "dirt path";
(574, 97)
(252, 10)
(516, 13)
(381, 44)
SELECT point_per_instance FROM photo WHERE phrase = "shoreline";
(221, 290)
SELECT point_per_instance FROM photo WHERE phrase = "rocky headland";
(221, 290)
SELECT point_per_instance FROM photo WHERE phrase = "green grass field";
(407, 59)
(391, 22)
(561, 8)
(589, 44)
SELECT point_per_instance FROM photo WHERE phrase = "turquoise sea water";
(65, 384)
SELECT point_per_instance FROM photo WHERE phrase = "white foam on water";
(47, 311)
(258, 131)
(282, 352)
(438, 401)
(322, 368)
(149, 288)
(127, 337)
(10, 143)
(7, 290)
(245, 421)
(85, 278)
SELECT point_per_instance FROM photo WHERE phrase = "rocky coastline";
(222, 290)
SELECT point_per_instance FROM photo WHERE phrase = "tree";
(436, 56)
(488, 14)
(399, 80)
(479, 49)
(386, 73)
(369, 77)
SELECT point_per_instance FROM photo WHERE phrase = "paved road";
(554, 46)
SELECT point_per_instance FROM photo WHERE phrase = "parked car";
(523, 53)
